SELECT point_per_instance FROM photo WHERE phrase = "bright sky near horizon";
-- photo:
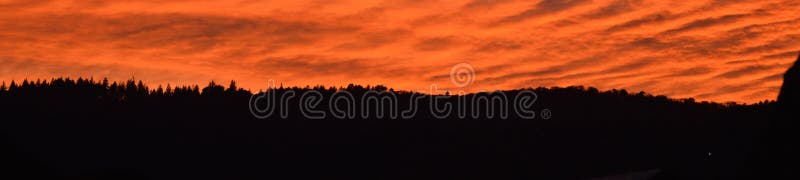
(718, 50)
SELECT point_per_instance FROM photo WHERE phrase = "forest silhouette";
(84, 129)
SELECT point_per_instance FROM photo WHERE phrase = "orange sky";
(720, 50)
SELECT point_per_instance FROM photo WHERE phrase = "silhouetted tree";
(12, 87)
(195, 90)
(169, 90)
(159, 91)
(213, 89)
(141, 88)
(232, 87)
(105, 82)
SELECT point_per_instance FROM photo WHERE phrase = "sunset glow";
(716, 50)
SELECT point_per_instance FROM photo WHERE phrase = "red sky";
(719, 50)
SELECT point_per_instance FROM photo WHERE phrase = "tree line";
(85, 128)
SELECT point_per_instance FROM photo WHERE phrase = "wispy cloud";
(720, 50)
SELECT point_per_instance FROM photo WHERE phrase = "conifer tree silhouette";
(232, 87)
(12, 86)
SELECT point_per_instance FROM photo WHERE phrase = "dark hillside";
(83, 128)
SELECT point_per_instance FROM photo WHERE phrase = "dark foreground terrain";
(85, 129)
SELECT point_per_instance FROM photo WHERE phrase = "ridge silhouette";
(777, 156)
(82, 128)
(791, 86)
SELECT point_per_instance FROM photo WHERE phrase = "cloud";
(370, 40)
(544, 7)
(718, 50)
(708, 22)
(745, 71)
(484, 3)
(695, 71)
(19, 5)
(747, 86)
(658, 17)
(550, 70)
(438, 43)
(496, 45)
(631, 66)
(782, 56)
(311, 66)
(614, 8)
